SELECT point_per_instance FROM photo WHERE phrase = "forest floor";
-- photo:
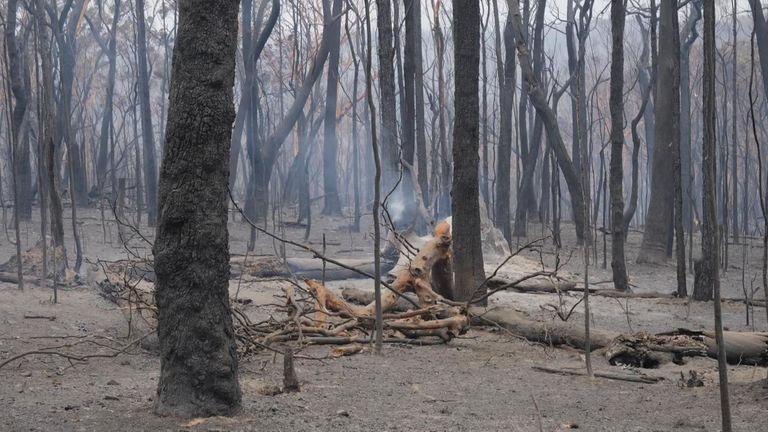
(482, 381)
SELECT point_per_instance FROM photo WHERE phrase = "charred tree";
(388, 135)
(661, 206)
(618, 263)
(467, 247)
(198, 359)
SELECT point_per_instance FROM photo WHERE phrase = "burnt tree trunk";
(198, 358)
(467, 247)
(661, 206)
(618, 263)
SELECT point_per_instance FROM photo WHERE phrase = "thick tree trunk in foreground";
(197, 348)
(657, 230)
(618, 263)
(465, 207)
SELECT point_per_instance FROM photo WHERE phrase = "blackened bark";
(682, 289)
(145, 110)
(618, 263)
(330, 140)
(198, 357)
(708, 275)
(654, 246)
(467, 247)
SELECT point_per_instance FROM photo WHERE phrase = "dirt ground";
(483, 381)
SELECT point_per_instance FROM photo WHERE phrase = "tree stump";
(290, 379)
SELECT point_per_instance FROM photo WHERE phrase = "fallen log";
(644, 379)
(540, 286)
(312, 268)
(638, 349)
(553, 333)
(747, 348)
(9, 278)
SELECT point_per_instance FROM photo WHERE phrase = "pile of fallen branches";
(311, 314)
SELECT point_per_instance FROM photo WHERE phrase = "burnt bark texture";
(197, 348)
(467, 247)
(618, 263)
(661, 206)
(708, 268)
